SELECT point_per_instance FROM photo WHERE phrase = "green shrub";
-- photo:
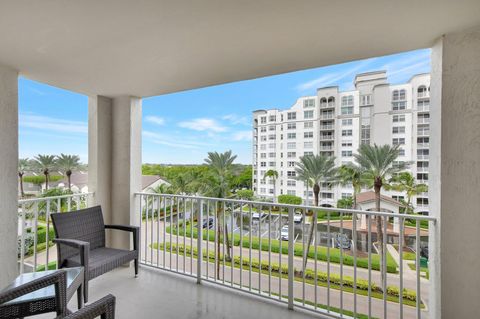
(289, 199)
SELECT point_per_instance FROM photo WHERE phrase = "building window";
(309, 103)
(347, 132)
(263, 164)
(398, 129)
(346, 195)
(263, 129)
(291, 154)
(422, 201)
(308, 125)
(291, 182)
(291, 164)
(308, 114)
(263, 147)
(401, 152)
(331, 101)
(399, 100)
(307, 134)
(271, 128)
(263, 138)
(346, 144)
(398, 141)
(291, 116)
(291, 135)
(291, 145)
(323, 102)
(347, 153)
(398, 118)
(291, 173)
(272, 118)
(263, 119)
(422, 91)
(271, 145)
(271, 136)
(291, 126)
(271, 154)
(365, 135)
(366, 99)
(307, 153)
(263, 155)
(347, 122)
(271, 164)
(347, 105)
(291, 192)
(308, 144)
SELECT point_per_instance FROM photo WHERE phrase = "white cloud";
(47, 123)
(242, 136)
(173, 141)
(236, 119)
(155, 120)
(203, 124)
(332, 78)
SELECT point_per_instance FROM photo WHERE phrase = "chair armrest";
(135, 230)
(75, 243)
(104, 307)
(82, 246)
(58, 278)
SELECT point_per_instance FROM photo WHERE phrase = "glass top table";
(74, 284)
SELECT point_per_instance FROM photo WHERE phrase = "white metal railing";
(423, 156)
(260, 248)
(326, 127)
(326, 137)
(424, 108)
(326, 116)
(423, 121)
(423, 145)
(35, 232)
(423, 132)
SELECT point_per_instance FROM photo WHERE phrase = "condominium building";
(335, 123)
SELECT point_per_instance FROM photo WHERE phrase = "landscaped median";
(277, 245)
(346, 283)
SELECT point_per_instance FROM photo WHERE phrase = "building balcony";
(423, 121)
(423, 108)
(173, 260)
(327, 116)
(423, 157)
(423, 145)
(422, 169)
(327, 137)
(326, 148)
(327, 127)
(423, 132)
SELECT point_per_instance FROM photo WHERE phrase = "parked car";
(208, 223)
(342, 241)
(284, 233)
(258, 216)
(297, 218)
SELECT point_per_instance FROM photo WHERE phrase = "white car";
(297, 218)
(284, 233)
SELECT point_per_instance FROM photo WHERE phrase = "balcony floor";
(159, 294)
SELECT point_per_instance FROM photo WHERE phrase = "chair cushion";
(102, 260)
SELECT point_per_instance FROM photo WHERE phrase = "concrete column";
(8, 169)
(455, 176)
(115, 160)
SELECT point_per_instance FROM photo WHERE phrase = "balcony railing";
(261, 248)
(326, 127)
(423, 156)
(326, 137)
(423, 108)
(423, 121)
(326, 116)
(423, 132)
(423, 145)
(35, 232)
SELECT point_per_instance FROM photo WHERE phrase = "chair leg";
(136, 267)
(80, 297)
(85, 291)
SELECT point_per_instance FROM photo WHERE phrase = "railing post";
(199, 242)
(291, 270)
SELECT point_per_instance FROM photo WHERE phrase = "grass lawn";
(278, 245)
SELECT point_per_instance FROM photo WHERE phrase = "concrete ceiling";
(145, 48)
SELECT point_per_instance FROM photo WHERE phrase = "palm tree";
(159, 189)
(376, 162)
(273, 174)
(302, 176)
(405, 182)
(221, 165)
(45, 163)
(23, 166)
(67, 164)
(319, 169)
(352, 174)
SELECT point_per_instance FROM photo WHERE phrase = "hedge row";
(277, 246)
(334, 279)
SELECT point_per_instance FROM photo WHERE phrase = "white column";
(115, 160)
(455, 176)
(8, 169)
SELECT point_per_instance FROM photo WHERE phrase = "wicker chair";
(80, 239)
(104, 307)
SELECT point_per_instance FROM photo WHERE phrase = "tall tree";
(221, 165)
(377, 164)
(23, 167)
(405, 182)
(67, 164)
(45, 163)
(319, 169)
(303, 176)
(273, 175)
(352, 174)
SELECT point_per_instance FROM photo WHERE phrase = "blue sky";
(182, 127)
